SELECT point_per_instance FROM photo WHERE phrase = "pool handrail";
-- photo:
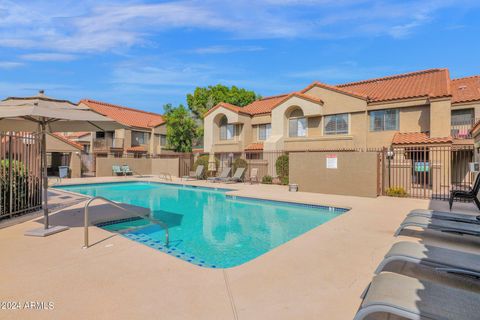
(116, 205)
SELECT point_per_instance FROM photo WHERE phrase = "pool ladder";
(87, 222)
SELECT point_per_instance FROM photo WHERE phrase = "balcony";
(107, 144)
(461, 129)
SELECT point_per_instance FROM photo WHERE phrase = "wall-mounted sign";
(332, 161)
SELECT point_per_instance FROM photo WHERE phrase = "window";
(336, 124)
(163, 140)
(464, 116)
(383, 120)
(227, 131)
(139, 138)
(297, 124)
(264, 131)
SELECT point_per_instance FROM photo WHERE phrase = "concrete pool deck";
(318, 275)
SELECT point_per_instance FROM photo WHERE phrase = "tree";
(182, 129)
(204, 98)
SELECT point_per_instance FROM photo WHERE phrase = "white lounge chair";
(197, 175)
(223, 175)
(442, 259)
(453, 216)
(440, 225)
(418, 299)
(237, 177)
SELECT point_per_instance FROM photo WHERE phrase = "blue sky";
(144, 54)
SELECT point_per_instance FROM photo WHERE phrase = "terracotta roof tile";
(66, 140)
(264, 105)
(465, 89)
(226, 105)
(136, 149)
(254, 146)
(334, 88)
(417, 138)
(127, 116)
(433, 83)
(75, 135)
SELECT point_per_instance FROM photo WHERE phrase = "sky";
(144, 54)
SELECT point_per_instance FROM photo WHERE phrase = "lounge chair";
(117, 171)
(452, 216)
(197, 175)
(470, 194)
(417, 299)
(237, 177)
(442, 259)
(440, 225)
(253, 175)
(126, 170)
(223, 175)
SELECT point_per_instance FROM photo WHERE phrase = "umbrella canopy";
(212, 164)
(44, 114)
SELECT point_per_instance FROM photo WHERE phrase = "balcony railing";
(105, 144)
(461, 129)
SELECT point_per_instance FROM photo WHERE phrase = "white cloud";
(226, 49)
(91, 26)
(10, 64)
(48, 57)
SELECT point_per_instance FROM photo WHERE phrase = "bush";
(281, 165)
(239, 163)
(284, 180)
(396, 192)
(203, 160)
(267, 179)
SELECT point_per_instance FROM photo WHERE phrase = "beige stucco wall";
(262, 119)
(335, 102)
(441, 114)
(56, 145)
(356, 174)
(138, 165)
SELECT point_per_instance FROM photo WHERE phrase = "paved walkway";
(319, 275)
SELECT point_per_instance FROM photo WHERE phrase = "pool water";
(207, 227)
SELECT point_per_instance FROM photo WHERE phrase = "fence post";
(10, 175)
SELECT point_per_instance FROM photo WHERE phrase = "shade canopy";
(26, 113)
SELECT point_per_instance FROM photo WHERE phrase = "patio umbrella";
(44, 114)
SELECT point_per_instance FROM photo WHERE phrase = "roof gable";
(126, 116)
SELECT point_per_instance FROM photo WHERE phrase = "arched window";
(297, 124)
(227, 131)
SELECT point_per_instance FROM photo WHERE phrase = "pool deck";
(318, 275)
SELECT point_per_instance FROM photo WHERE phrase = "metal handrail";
(155, 221)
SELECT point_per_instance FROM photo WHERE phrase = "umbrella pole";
(44, 176)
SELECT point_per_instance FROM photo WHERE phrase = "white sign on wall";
(331, 161)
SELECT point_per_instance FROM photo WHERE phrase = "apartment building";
(418, 108)
(145, 132)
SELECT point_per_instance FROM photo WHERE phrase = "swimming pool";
(207, 227)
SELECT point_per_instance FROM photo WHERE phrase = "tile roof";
(66, 140)
(418, 138)
(126, 116)
(465, 89)
(254, 146)
(433, 83)
(226, 105)
(301, 95)
(75, 135)
(264, 105)
(136, 149)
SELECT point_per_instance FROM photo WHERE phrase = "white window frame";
(330, 133)
(384, 115)
(268, 131)
(298, 121)
(229, 132)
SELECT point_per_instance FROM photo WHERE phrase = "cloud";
(226, 49)
(10, 64)
(48, 57)
(91, 27)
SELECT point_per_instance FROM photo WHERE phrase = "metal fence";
(427, 172)
(20, 173)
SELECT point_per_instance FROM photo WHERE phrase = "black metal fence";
(428, 172)
(20, 173)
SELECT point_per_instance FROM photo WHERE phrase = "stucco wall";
(138, 165)
(441, 113)
(356, 173)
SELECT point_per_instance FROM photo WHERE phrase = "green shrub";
(396, 192)
(281, 165)
(284, 180)
(239, 163)
(267, 179)
(203, 160)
